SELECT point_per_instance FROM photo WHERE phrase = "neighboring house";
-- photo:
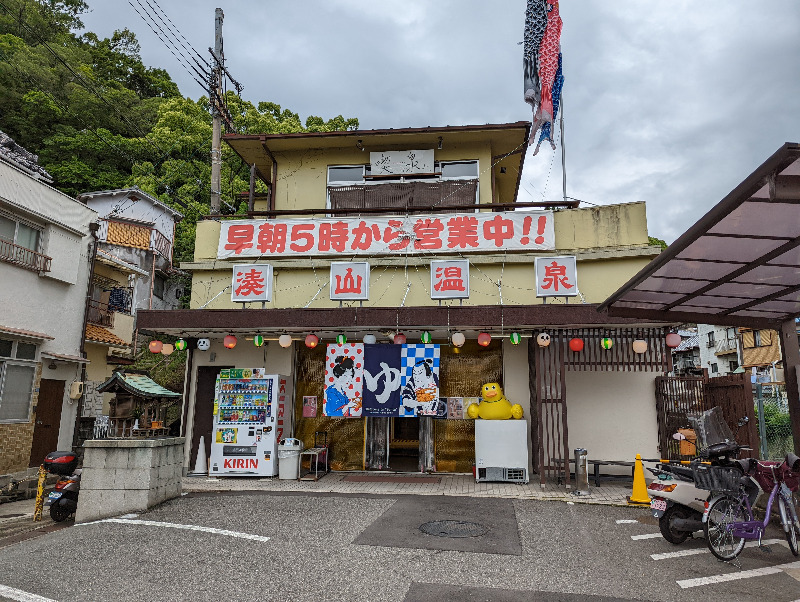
(761, 349)
(719, 349)
(45, 254)
(398, 199)
(686, 356)
(133, 270)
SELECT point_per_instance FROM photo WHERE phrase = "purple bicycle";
(728, 520)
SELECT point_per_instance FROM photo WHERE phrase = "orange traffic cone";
(638, 496)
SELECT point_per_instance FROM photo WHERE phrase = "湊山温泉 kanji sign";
(447, 233)
(251, 283)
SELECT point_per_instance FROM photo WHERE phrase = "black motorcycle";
(63, 500)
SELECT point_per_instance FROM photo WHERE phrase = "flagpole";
(563, 150)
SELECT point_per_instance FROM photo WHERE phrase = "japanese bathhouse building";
(367, 235)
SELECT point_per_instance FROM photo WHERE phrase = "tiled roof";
(690, 343)
(136, 384)
(13, 153)
(31, 334)
(98, 334)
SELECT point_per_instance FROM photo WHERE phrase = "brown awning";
(739, 265)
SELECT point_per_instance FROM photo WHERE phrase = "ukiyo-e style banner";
(445, 233)
(382, 364)
(344, 379)
(420, 380)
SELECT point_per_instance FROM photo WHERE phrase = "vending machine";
(251, 412)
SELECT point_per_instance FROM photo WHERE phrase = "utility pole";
(215, 97)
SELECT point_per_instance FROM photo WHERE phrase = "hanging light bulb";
(229, 341)
(370, 339)
(285, 340)
(458, 339)
(312, 341)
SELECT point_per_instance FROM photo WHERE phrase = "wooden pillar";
(426, 459)
(790, 352)
(377, 447)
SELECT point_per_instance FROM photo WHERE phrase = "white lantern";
(167, 349)
(203, 344)
(370, 339)
(640, 346)
(458, 339)
(285, 340)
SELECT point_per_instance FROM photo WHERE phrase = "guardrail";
(24, 257)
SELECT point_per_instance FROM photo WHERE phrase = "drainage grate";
(453, 528)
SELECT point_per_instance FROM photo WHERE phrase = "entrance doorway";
(404, 444)
(48, 420)
(204, 409)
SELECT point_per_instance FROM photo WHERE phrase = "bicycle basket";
(717, 478)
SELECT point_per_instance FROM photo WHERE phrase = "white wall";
(612, 414)
(516, 386)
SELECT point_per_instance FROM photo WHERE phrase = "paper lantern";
(514, 338)
(258, 340)
(180, 344)
(167, 349)
(341, 339)
(399, 339)
(606, 343)
(312, 341)
(285, 340)
(639, 346)
(458, 339)
(576, 344)
(426, 337)
(229, 341)
(203, 344)
(484, 339)
(155, 346)
(370, 339)
(673, 339)
(543, 339)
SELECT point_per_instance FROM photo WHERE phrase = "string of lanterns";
(458, 339)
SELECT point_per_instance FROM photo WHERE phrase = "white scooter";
(674, 500)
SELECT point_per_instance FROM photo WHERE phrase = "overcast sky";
(669, 102)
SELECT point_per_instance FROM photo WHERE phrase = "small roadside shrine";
(139, 405)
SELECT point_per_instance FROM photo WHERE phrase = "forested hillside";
(100, 119)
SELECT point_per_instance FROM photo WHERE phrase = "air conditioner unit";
(76, 390)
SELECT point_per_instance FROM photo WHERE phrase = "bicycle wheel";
(789, 526)
(721, 516)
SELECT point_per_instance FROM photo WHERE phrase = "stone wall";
(92, 400)
(128, 475)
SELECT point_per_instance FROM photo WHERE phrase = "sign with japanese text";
(450, 279)
(349, 280)
(401, 162)
(251, 283)
(382, 366)
(556, 277)
(445, 233)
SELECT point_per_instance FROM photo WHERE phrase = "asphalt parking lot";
(296, 546)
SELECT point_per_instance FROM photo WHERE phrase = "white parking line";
(647, 536)
(626, 521)
(694, 551)
(21, 596)
(152, 523)
(767, 570)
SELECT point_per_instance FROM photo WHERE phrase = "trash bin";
(581, 472)
(289, 458)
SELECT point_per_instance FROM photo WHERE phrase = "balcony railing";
(23, 257)
(100, 314)
(162, 245)
(725, 346)
(400, 196)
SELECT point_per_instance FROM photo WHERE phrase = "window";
(19, 233)
(158, 286)
(710, 342)
(19, 244)
(762, 338)
(732, 366)
(714, 368)
(16, 379)
(459, 169)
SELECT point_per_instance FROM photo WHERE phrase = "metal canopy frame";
(739, 265)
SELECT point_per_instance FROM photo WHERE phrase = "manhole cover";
(453, 528)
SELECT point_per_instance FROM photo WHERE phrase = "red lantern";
(399, 339)
(576, 344)
(484, 339)
(229, 341)
(311, 341)
(156, 346)
(673, 339)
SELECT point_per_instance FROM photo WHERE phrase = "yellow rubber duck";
(494, 405)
